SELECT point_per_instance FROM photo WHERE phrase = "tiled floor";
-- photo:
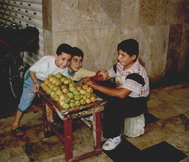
(166, 137)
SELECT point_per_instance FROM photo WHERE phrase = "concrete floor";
(169, 104)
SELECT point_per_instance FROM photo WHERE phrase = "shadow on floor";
(161, 152)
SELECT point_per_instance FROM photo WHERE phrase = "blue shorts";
(27, 95)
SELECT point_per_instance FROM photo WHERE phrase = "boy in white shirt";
(47, 65)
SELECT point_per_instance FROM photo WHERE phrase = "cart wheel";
(16, 76)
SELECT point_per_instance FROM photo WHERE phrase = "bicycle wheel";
(16, 76)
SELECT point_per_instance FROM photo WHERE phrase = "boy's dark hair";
(77, 52)
(130, 46)
(66, 48)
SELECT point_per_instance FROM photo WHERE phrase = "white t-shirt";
(44, 67)
(132, 83)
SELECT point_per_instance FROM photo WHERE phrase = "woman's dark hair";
(66, 48)
(130, 46)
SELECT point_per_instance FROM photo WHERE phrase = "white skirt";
(134, 127)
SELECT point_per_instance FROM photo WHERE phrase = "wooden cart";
(67, 115)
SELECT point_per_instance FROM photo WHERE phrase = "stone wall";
(97, 26)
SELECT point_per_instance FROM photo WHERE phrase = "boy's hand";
(86, 80)
(36, 87)
(34, 79)
(118, 84)
(91, 84)
(97, 78)
(103, 74)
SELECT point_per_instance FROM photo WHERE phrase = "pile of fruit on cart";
(66, 92)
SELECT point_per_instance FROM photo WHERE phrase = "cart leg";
(97, 129)
(45, 126)
(68, 139)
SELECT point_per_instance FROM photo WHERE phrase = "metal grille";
(24, 13)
